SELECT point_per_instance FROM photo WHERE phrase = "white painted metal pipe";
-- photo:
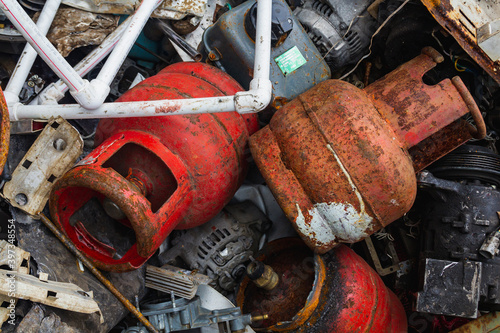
(116, 58)
(260, 94)
(41, 44)
(27, 58)
(89, 96)
(254, 100)
(263, 43)
(54, 92)
(125, 109)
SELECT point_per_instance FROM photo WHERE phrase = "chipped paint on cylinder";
(336, 157)
(164, 173)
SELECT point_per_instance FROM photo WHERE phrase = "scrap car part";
(221, 247)
(340, 176)
(474, 25)
(151, 174)
(61, 295)
(341, 30)
(52, 154)
(181, 282)
(295, 63)
(181, 314)
(460, 222)
(335, 292)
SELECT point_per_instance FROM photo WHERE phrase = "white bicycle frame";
(90, 95)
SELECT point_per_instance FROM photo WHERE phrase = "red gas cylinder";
(335, 292)
(157, 174)
(336, 158)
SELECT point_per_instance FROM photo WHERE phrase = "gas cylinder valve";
(262, 275)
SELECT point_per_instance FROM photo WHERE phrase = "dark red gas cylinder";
(335, 292)
(157, 174)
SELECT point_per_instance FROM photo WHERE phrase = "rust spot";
(167, 109)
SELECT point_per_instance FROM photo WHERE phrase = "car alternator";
(221, 247)
(341, 30)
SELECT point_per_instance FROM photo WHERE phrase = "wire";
(371, 40)
(462, 69)
(439, 42)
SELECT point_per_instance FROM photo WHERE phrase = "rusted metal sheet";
(168, 9)
(335, 292)
(336, 157)
(154, 175)
(73, 28)
(4, 131)
(463, 19)
(17, 260)
(61, 295)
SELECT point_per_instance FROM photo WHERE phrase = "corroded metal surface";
(346, 295)
(485, 324)
(73, 28)
(454, 17)
(4, 131)
(336, 157)
(158, 173)
(168, 9)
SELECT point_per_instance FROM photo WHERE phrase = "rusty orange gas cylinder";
(156, 174)
(337, 292)
(4, 131)
(336, 157)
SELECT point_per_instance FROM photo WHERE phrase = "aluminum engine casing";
(220, 248)
(339, 29)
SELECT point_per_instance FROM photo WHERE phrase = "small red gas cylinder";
(337, 292)
(157, 174)
(341, 161)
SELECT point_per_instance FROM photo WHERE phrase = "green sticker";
(290, 60)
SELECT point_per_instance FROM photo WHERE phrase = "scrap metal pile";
(240, 166)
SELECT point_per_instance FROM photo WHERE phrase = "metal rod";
(67, 242)
(179, 41)
(120, 52)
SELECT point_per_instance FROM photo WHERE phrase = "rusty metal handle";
(478, 132)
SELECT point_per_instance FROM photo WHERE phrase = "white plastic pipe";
(41, 44)
(122, 49)
(54, 92)
(88, 95)
(254, 100)
(29, 54)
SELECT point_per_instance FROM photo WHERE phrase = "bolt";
(21, 199)
(59, 144)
